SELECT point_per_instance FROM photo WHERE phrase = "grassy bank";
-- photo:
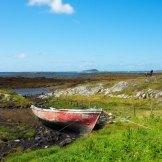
(117, 106)
(138, 140)
(117, 142)
(135, 135)
(21, 131)
(9, 99)
(16, 121)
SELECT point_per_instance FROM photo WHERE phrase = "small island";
(90, 71)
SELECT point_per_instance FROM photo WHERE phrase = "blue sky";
(74, 35)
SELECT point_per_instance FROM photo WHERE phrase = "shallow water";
(31, 91)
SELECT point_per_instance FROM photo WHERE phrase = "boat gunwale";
(68, 110)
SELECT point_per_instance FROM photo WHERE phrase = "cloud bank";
(56, 6)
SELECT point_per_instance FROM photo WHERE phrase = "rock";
(65, 142)
(144, 96)
(89, 90)
(119, 87)
(45, 95)
(17, 140)
(122, 96)
(149, 93)
(138, 95)
(84, 90)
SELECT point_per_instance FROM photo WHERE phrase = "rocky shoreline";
(100, 89)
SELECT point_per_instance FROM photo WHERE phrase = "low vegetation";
(141, 84)
(16, 124)
(134, 136)
(118, 106)
(19, 131)
(9, 99)
(117, 142)
(21, 82)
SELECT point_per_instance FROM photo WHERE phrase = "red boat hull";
(83, 120)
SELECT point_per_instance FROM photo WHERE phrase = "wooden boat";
(82, 120)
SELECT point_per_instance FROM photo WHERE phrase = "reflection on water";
(31, 91)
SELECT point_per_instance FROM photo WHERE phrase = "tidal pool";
(31, 91)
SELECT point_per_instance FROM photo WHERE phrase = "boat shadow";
(75, 127)
(70, 127)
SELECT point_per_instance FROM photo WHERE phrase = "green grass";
(117, 142)
(121, 141)
(117, 106)
(137, 141)
(9, 99)
(20, 131)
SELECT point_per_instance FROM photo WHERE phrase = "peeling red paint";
(87, 118)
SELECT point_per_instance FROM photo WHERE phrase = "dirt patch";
(17, 116)
(44, 138)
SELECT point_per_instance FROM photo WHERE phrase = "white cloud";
(21, 56)
(56, 6)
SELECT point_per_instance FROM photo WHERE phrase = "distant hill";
(90, 71)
